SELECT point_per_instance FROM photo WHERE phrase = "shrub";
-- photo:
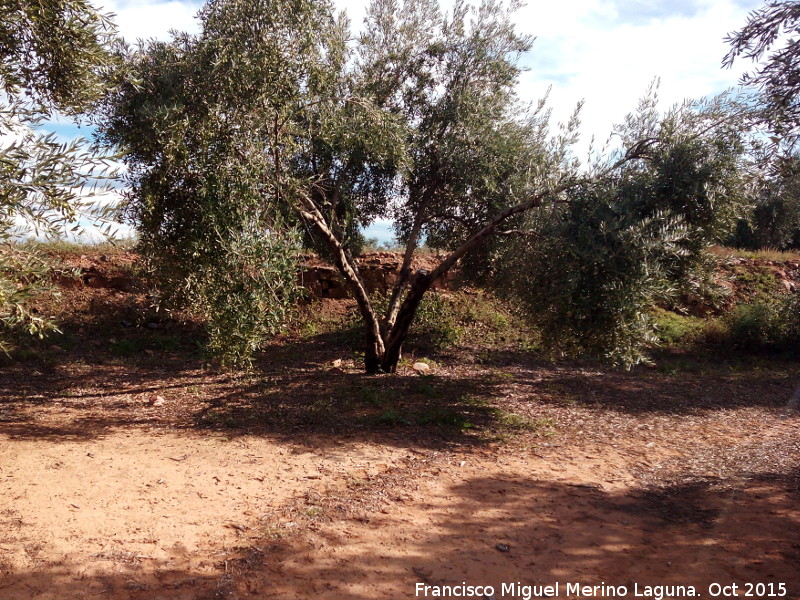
(752, 324)
(436, 325)
(675, 329)
(767, 324)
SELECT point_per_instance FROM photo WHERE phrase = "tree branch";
(636, 151)
(348, 269)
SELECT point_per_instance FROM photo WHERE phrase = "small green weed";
(444, 417)
(273, 532)
(508, 422)
(322, 410)
(355, 483)
(393, 418)
(314, 512)
(424, 385)
(374, 396)
(673, 329)
(219, 418)
(513, 422)
(127, 347)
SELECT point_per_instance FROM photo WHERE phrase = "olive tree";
(55, 55)
(770, 38)
(272, 116)
(589, 270)
(773, 220)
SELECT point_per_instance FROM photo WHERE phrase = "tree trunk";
(405, 316)
(372, 353)
(373, 341)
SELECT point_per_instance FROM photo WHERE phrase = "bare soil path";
(626, 479)
(131, 470)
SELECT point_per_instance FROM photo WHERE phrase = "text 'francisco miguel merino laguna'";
(575, 590)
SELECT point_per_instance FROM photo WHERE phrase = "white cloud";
(590, 50)
(150, 18)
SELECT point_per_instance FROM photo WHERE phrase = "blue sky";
(605, 52)
(67, 130)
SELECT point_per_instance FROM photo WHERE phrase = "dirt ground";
(139, 472)
(104, 495)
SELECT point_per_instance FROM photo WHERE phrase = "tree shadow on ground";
(295, 393)
(119, 578)
(689, 534)
(724, 531)
(650, 391)
(79, 401)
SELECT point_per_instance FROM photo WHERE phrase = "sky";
(604, 52)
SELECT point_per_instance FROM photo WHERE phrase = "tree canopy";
(54, 51)
(770, 38)
(273, 120)
(55, 57)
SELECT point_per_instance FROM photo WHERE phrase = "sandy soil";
(139, 509)
(130, 469)
(104, 495)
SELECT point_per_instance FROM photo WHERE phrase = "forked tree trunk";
(372, 356)
(382, 353)
(405, 316)
(373, 341)
(382, 348)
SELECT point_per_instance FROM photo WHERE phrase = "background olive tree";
(272, 117)
(55, 55)
(769, 38)
(773, 220)
(589, 270)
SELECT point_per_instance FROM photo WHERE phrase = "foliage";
(474, 149)
(54, 50)
(765, 324)
(437, 324)
(752, 324)
(770, 34)
(592, 268)
(673, 329)
(23, 276)
(46, 185)
(340, 134)
(774, 220)
(246, 292)
(271, 117)
(206, 193)
(54, 56)
(770, 321)
(755, 283)
(447, 321)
